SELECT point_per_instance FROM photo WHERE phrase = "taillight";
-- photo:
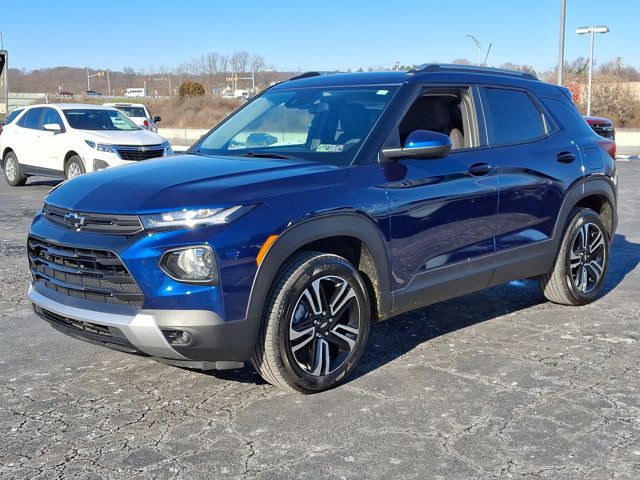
(608, 145)
(146, 124)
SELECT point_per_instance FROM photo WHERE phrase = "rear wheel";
(74, 167)
(578, 275)
(315, 326)
(12, 171)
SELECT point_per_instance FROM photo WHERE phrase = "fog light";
(193, 264)
(178, 337)
(99, 165)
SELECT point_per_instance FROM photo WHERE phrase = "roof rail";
(305, 75)
(444, 67)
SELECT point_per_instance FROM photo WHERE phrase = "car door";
(442, 211)
(52, 146)
(23, 140)
(535, 166)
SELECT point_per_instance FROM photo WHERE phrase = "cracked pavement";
(497, 384)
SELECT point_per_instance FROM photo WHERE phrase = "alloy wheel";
(324, 326)
(10, 169)
(588, 258)
(73, 170)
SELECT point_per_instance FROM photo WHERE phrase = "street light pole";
(479, 45)
(592, 31)
(563, 11)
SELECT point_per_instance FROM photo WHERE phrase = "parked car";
(92, 93)
(383, 193)
(68, 139)
(139, 113)
(604, 127)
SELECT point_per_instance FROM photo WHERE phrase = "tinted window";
(13, 115)
(569, 117)
(31, 119)
(51, 116)
(512, 117)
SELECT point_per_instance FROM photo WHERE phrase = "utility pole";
(563, 11)
(88, 84)
(479, 46)
(109, 82)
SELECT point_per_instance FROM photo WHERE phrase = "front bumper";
(217, 344)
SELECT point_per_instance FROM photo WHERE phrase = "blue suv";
(324, 204)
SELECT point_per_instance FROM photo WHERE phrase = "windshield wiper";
(264, 155)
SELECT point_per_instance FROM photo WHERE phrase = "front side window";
(51, 116)
(95, 119)
(511, 116)
(320, 124)
(31, 119)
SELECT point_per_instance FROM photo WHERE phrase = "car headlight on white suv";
(102, 147)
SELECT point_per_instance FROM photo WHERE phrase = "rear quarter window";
(569, 118)
(31, 118)
(511, 116)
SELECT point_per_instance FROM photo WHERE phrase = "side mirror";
(52, 127)
(157, 119)
(421, 144)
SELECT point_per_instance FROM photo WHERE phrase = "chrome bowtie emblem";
(74, 220)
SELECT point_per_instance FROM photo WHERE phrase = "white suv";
(139, 113)
(70, 139)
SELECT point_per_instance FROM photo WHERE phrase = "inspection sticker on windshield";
(327, 147)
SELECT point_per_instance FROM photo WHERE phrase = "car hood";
(189, 181)
(119, 137)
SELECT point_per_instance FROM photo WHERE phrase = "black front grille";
(96, 275)
(147, 152)
(92, 222)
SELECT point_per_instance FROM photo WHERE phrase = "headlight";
(191, 264)
(102, 147)
(167, 149)
(193, 218)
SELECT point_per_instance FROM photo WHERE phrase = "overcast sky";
(307, 35)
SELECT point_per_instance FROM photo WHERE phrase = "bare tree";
(239, 62)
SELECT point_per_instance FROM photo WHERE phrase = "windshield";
(94, 119)
(321, 124)
(133, 111)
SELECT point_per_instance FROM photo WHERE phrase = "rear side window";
(51, 116)
(511, 116)
(31, 119)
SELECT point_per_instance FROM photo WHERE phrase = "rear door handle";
(565, 157)
(479, 169)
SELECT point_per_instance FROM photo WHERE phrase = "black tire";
(12, 170)
(74, 167)
(566, 284)
(289, 308)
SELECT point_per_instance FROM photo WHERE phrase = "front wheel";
(12, 171)
(578, 275)
(74, 167)
(315, 326)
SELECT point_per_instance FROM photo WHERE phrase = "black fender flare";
(296, 236)
(601, 186)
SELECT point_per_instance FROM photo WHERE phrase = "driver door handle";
(479, 169)
(565, 157)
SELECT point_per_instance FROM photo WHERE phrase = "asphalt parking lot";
(495, 384)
